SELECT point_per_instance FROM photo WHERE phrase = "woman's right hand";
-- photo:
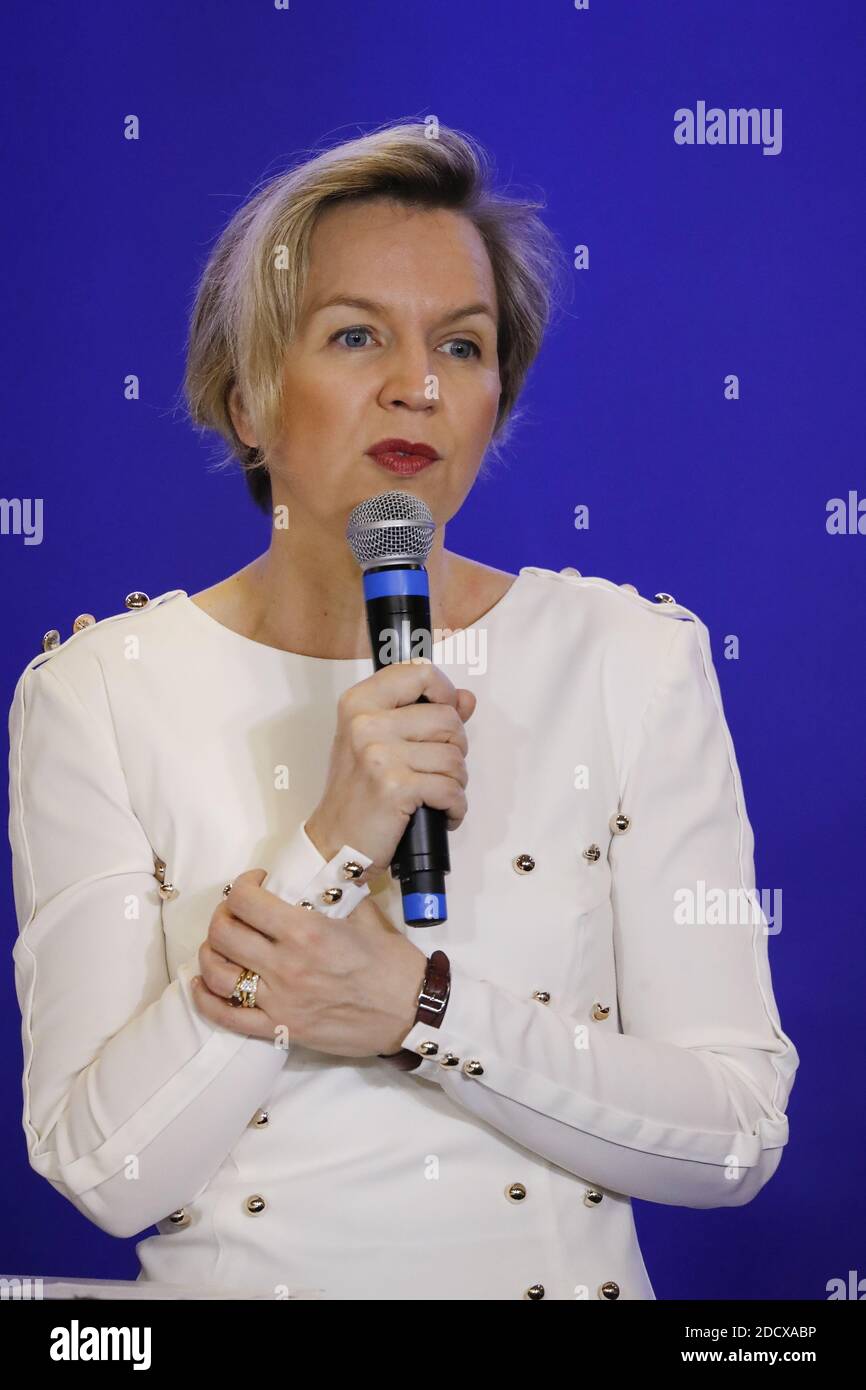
(391, 755)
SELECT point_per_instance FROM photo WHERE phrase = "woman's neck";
(297, 604)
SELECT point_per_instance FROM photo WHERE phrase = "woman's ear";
(241, 421)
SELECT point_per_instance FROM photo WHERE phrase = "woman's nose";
(410, 378)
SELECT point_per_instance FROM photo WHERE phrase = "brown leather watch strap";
(432, 1002)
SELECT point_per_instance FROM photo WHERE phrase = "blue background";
(704, 261)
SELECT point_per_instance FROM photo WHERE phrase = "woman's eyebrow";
(353, 302)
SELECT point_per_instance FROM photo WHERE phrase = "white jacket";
(606, 1049)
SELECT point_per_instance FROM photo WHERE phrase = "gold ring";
(244, 992)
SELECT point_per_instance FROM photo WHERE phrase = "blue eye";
(337, 336)
(469, 343)
(360, 330)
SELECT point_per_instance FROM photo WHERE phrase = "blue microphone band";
(424, 907)
(387, 583)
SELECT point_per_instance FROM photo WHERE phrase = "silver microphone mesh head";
(393, 526)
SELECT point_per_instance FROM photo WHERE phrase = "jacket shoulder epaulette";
(661, 603)
(135, 602)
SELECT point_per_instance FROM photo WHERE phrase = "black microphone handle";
(399, 627)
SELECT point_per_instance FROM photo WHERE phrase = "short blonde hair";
(244, 314)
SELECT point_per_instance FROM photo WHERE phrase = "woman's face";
(417, 362)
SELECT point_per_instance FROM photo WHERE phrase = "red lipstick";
(403, 457)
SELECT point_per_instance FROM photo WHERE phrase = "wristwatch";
(432, 1003)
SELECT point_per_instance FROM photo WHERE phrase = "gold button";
(593, 853)
(166, 890)
(600, 1012)
(664, 598)
(83, 620)
(352, 869)
(619, 823)
(592, 1197)
(136, 599)
(305, 904)
(541, 995)
(51, 640)
(523, 863)
(179, 1218)
(515, 1192)
(534, 1292)
(255, 1205)
(260, 1119)
(473, 1067)
(332, 895)
(449, 1060)
(609, 1290)
(427, 1048)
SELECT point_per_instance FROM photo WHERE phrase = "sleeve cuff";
(300, 874)
(459, 1039)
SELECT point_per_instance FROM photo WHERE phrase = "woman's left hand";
(347, 986)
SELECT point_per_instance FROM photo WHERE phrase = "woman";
(207, 792)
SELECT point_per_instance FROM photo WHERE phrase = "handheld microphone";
(391, 536)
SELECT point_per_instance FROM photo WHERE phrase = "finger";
(246, 904)
(257, 908)
(415, 723)
(442, 760)
(235, 890)
(237, 938)
(250, 876)
(466, 702)
(252, 1023)
(441, 794)
(401, 683)
(220, 973)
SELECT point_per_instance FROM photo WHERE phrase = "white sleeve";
(686, 1104)
(132, 1100)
